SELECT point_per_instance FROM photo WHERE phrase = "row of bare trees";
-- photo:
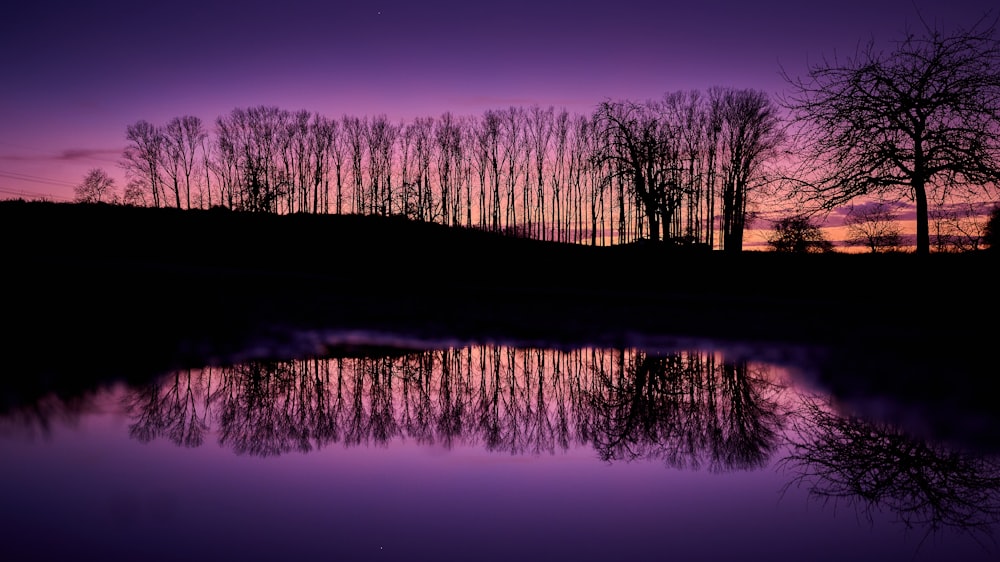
(679, 168)
(918, 123)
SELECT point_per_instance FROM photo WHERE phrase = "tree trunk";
(923, 229)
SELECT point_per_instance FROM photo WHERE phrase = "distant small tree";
(958, 228)
(874, 226)
(134, 194)
(798, 235)
(97, 185)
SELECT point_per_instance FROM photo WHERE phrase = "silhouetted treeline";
(682, 168)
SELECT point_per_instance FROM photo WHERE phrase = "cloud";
(110, 155)
(72, 154)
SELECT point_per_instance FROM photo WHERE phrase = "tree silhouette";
(97, 185)
(627, 171)
(798, 235)
(142, 160)
(749, 134)
(686, 409)
(182, 137)
(873, 226)
(635, 146)
(922, 118)
(958, 227)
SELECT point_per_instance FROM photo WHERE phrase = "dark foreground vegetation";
(100, 289)
(92, 269)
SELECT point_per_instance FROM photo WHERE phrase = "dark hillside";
(207, 275)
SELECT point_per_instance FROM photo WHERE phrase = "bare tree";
(488, 158)
(959, 226)
(448, 141)
(337, 156)
(182, 137)
(514, 151)
(96, 185)
(134, 194)
(750, 134)
(540, 127)
(639, 149)
(923, 117)
(874, 226)
(355, 132)
(142, 157)
(249, 142)
(381, 136)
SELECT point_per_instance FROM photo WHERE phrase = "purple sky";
(75, 74)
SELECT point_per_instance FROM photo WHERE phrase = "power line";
(36, 179)
(20, 193)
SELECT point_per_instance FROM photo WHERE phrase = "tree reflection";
(688, 409)
(170, 408)
(876, 467)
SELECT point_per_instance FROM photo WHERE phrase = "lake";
(385, 448)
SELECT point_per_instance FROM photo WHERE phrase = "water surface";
(486, 452)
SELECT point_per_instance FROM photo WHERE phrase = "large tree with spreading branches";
(921, 119)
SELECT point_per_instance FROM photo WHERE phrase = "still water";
(484, 452)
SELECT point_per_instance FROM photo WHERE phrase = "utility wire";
(23, 194)
(36, 179)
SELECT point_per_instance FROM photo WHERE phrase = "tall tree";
(249, 142)
(750, 134)
(142, 157)
(381, 136)
(639, 150)
(182, 138)
(540, 128)
(923, 117)
(355, 132)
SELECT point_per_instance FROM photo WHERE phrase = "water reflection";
(876, 467)
(691, 410)
(688, 409)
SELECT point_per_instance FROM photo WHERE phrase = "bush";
(798, 235)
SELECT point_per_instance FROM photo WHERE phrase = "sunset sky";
(75, 74)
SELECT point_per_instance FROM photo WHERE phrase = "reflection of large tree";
(687, 409)
(876, 467)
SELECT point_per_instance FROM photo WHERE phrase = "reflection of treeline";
(659, 169)
(688, 409)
